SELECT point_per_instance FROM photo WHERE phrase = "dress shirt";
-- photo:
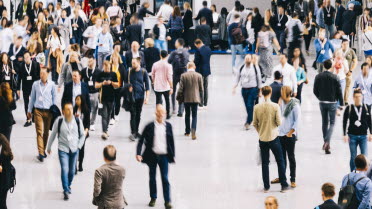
(106, 41)
(42, 96)
(291, 121)
(162, 73)
(266, 120)
(68, 139)
(92, 30)
(289, 75)
(165, 11)
(248, 77)
(362, 189)
(160, 139)
(76, 91)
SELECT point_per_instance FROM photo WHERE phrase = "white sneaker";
(92, 127)
(112, 121)
(205, 108)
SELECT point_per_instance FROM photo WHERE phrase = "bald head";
(135, 46)
(109, 153)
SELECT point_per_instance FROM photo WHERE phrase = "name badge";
(357, 123)
(302, 10)
(12, 58)
(323, 51)
(41, 98)
(7, 78)
(279, 24)
(75, 28)
(329, 15)
(90, 83)
(29, 78)
(100, 105)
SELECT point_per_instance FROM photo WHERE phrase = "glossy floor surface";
(217, 171)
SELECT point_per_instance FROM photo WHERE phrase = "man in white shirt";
(165, 10)
(7, 37)
(92, 33)
(288, 72)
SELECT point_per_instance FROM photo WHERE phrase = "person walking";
(118, 68)
(266, 120)
(278, 23)
(204, 32)
(327, 89)
(6, 157)
(235, 36)
(288, 73)
(74, 89)
(105, 44)
(190, 91)
(323, 48)
(349, 23)
(70, 134)
(276, 87)
(364, 83)
(29, 73)
(352, 60)
(249, 76)
(329, 18)
(175, 26)
(7, 105)
(43, 96)
(82, 111)
(356, 123)
(162, 77)
(160, 150)
(108, 182)
(203, 66)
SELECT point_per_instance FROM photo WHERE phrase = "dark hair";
(266, 90)
(5, 150)
(295, 14)
(109, 152)
(66, 103)
(328, 189)
(345, 40)
(357, 91)
(9, 23)
(224, 11)
(198, 41)
(327, 64)
(163, 53)
(205, 3)
(76, 70)
(237, 3)
(203, 19)
(27, 52)
(214, 6)
(181, 41)
(277, 75)
(176, 12)
(236, 16)
(50, 18)
(363, 65)
(360, 162)
(83, 106)
(256, 10)
(52, 7)
(89, 53)
(241, 8)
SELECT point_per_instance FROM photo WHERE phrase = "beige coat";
(191, 87)
(266, 120)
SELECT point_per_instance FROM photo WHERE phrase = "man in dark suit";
(28, 73)
(134, 52)
(160, 151)
(133, 31)
(340, 9)
(203, 32)
(21, 11)
(349, 23)
(276, 87)
(77, 25)
(302, 8)
(206, 13)
(328, 192)
(75, 88)
(203, 66)
(16, 52)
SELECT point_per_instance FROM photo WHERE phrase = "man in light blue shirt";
(104, 44)
(71, 136)
(288, 130)
(43, 96)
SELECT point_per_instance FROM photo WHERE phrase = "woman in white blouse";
(64, 26)
(215, 16)
(56, 46)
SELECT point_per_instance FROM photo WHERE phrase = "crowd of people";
(98, 56)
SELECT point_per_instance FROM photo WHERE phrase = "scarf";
(291, 104)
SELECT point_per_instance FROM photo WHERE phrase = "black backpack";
(347, 196)
(12, 181)
(77, 122)
(296, 32)
(179, 64)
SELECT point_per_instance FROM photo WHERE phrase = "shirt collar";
(191, 70)
(159, 124)
(77, 84)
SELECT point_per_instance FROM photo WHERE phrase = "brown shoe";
(187, 134)
(193, 134)
(275, 181)
(293, 184)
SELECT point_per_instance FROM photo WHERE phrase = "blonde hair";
(191, 65)
(149, 42)
(186, 5)
(116, 54)
(107, 64)
(286, 90)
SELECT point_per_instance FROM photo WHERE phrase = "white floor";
(216, 171)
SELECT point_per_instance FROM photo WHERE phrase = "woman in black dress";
(6, 156)
(187, 22)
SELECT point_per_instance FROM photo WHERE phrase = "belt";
(43, 110)
(251, 88)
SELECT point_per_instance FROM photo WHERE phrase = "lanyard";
(6, 69)
(280, 19)
(328, 10)
(42, 92)
(28, 69)
(364, 84)
(16, 52)
(359, 113)
(90, 78)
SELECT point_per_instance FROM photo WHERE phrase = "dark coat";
(257, 23)
(339, 14)
(6, 109)
(134, 33)
(22, 76)
(329, 204)
(129, 57)
(147, 138)
(68, 92)
(5, 162)
(80, 30)
(13, 79)
(152, 55)
(203, 32)
(187, 20)
(19, 13)
(116, 36)
(55, 114)
(18, 57)
(86, 117)
(276, 88)
(203, 60)
(349, 22)
(156, 31)
(207, 13)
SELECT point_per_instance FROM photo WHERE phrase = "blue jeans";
(68, 166)
(162, 161)
(356, 140)
(161, 45)
(234, 49)
(330, 30)
(249, 96)
(328, 111)
(193, 108)
(280, 36)
(276, 148)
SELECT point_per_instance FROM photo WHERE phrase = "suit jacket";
(19, 13)
(7, 118)
(22, 76)
(116, 36)
(108, 183)
(191, 86)
(147, 138)
(276, 88)
(202, 60)
(152, 55)
(68, 92)
(79, 30)
(19, 55)
(207, 13)
(302, 7)
(187, 20)
(203, 32)
(329, 204)
(134, 33)
(339, 13)
(349, 22)
(129, 57)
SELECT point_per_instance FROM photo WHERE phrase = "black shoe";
(179, 115)
(27, 124)
(65, 196)
(152, 202)
(327, 152)
(168, 205)
(168, 117)
(45, 155)
(80, 167)
(284, 189)
(40, 158)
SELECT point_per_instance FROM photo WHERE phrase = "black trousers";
(6, 131)
(26, 99)
(133, 8)
(81, 153)
(3, 195)
(193, 109)
(292, 46)
(204, 97)
(308, 40)
(299, 91)
(288, 147)
(116, 105)
(135, 115)
(53, 64)
(159, 100)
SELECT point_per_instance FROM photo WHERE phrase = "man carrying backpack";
(356, 187)
(235, 31)
(178, 59)
(71, 137)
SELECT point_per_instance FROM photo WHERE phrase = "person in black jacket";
(278, 25)
(155, 154)
(203, 32)
(349, 23)
(143, 11)
(7, 105)
(328, 90)
(21, 11)
(257, 21)
(133, 31)
(151, 53)
(82, 111)
(6, 156)
(117, 30)
(7, 73)
(77, 25)
(187, 23)
(328, 192)
(276, 87)
(27, 75)
(340, 9)
(75, 88)
(203, 66)
(206, 13)
(134, 52)
(16, 52)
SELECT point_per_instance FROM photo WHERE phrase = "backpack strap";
(255, 70)
(358, 180)
(59, 125)
(78, 125)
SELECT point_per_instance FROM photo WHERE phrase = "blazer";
(5, 162)
(276, 91)
(19, 13)
(79, 30)
(147, 138)
(22, 76)
(329, 204)
(152, 55)
(327, 88)
(349, 22)
(116, 36)
(129, 57)
(187, 20)
(134, 33)
(339, 13)
(66, 73)
(203, 32)
(7, 118)
(190, 87)
(207, 13)
(13, 79)
(202, 60)
(108, 183)
(17, 55)
(304, 8)
(68, 92)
